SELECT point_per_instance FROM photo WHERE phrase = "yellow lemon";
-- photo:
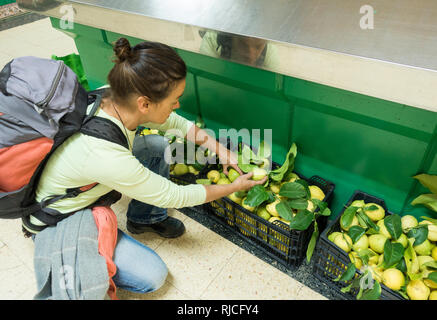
(343, 241)
(408, 221)
(377, 242)
(393, 278)
(213, 175)
(271, 208)
(316, 193)
(374, 211)
(417, 290)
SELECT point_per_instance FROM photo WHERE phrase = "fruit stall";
(349, 94)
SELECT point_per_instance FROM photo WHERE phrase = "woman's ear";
(143, 103)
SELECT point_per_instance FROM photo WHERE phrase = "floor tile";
(12, 236)
(247, 277)
(195, 258)
(166, 292)
(17, 280)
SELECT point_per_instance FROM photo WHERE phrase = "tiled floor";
(202, 264)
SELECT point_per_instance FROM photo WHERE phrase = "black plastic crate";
(275, 239)
(330, 262)
(185, 179)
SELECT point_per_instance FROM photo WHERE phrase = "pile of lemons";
(418, 287)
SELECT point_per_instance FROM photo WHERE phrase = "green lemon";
(233, 174)
(423, 249)
(377, 242)
(263, 213)
(361, 244)
(180, 169)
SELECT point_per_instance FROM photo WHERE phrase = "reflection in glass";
(247, 50)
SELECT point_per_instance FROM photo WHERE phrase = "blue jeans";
(149, 150)
(139, 268)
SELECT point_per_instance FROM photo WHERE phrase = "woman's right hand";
(244, 182)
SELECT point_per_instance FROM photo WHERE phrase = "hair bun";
(122, 49)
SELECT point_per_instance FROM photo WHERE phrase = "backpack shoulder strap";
(105, 129)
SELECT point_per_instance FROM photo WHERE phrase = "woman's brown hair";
(148, 69)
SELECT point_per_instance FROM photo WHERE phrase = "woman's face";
(159, 112)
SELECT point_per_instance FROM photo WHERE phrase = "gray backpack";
(41, 104)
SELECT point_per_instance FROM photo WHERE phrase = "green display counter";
(356, 141)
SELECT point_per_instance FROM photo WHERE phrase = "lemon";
(354, 222)
(316, 193)
(285, 221)
(233, 174)
(377, 242)
(332, 236)
(355, 259)
(380, 259)
(434, 253)
(263, 213)
(430, 284)
(383, 229)
(343, 241)
(265, 164)
(417, 290)
(373, 260)
(357, 203)
(376, 214)
(393, 278)
(361, 244)
(180, 169)
(258, 174)
(377, 273)
(275, 188)
(311, 207)
(423, 249)
(408, 221)
(432, 230)
(234, 198)
(433, 295)
(271, 208)
(223, 181)
(247, 207)
(213, 175)
(293, 177)
(273, 218)
(402, 240)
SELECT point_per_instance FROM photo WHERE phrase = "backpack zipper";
(45, 102)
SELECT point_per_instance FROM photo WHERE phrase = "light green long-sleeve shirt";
(82, 160)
